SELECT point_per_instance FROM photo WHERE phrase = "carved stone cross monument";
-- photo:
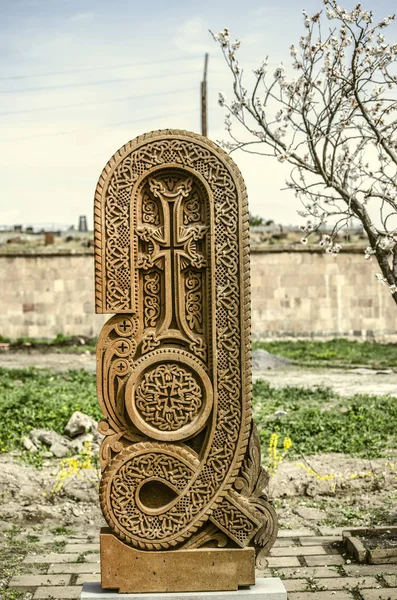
(182, 486)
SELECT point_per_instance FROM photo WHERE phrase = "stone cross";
(182, 489)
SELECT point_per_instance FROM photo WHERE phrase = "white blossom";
(279, 72)
(380, 278)
(386, 21)
(387, 243)
(325, 240)
(335, 123)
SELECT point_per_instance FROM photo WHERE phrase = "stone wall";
(310, 293)
(294, 293)
(47, 294)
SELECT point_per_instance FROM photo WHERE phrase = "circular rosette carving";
(140, 494)
(169, 396)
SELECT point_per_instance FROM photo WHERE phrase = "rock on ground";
(263, 360)
(48, 437)
(80, 423)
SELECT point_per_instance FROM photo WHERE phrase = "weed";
(274, 457)
(62, 531)
(73, 467)
(81, 558)
(58, 546)
(12, 594)
(356, 591)
(32, 539)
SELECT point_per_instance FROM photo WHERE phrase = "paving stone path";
(311, 563)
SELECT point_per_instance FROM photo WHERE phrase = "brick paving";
(312, 565)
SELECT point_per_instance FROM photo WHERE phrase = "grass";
(335, 352)
(61, 343)
(317, 420)
(35, 398)
(338, 351)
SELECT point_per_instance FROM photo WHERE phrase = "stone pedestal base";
(270, 588)
(128, 570)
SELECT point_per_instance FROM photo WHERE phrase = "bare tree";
(334, 123)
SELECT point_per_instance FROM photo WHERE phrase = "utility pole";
(204, 98)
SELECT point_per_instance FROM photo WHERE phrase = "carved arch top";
(211, 167)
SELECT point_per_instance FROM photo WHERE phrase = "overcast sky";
(80, 78)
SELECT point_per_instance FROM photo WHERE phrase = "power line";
(114, 124)
(92, 83)
(82, 104)
(85, 69)
(171, 112)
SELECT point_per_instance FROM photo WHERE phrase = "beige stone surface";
(323, 561)
(74, 568)
(297, 551)
(328, 595)
(51, 558)
(378, 594)
(39, 580)
(58, 593)
(202, 569)
(47, 295)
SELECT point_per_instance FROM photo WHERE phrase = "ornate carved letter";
(180, 458)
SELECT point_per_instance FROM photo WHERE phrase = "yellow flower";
(275, 459)
(70, 467)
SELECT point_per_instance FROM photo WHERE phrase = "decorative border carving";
(225, 185)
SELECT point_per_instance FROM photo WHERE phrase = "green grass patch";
(35, 398)
(319, 420)
(61, 343)
(337, 351)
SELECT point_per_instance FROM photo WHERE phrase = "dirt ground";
(345, 382)
(360, 493)
(60, 361)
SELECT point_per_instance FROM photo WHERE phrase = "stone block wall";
(299, 294)
(313, 294)
(44, 295)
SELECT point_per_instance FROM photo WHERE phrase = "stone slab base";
(269, 588)
(128, 570)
